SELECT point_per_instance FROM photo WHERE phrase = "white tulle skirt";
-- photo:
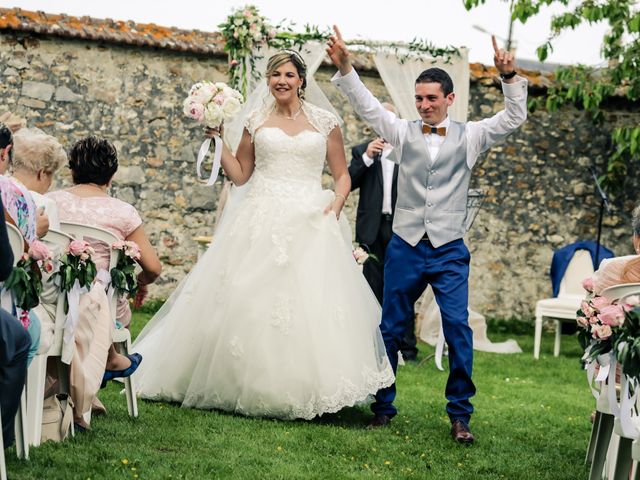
(274, 320)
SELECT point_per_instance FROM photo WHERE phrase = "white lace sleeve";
(321, 119)
(253, 121)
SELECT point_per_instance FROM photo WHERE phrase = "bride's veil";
(313, 53)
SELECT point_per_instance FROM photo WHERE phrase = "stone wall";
(538, 191)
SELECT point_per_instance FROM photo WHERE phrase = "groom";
(435, 157)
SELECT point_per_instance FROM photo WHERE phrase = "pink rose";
(219, 99)
(39, 251)
(600, 302)
(586, 308)
(234, 62)
(132, 250)
(78, 247)
(612, 315)
(601, 332)
(47, 266)
(119, 245)
(583, 322)
(588, 284)
(194, 111)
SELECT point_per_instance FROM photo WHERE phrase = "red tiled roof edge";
(112, 31)
(171, 38)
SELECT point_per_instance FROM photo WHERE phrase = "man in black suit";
(376, 177)
(14, 347)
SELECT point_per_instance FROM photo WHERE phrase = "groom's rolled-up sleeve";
(369, 108)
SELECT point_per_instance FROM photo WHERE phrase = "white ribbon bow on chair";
(73, 314)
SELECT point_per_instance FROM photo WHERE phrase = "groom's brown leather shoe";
(379, 421)
(461, 433)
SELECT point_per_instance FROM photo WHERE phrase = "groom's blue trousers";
(407, 272)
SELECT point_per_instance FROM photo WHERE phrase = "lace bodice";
(286, 163)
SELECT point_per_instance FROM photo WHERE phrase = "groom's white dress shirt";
(481, 135)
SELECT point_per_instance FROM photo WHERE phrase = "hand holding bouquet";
(211, 104)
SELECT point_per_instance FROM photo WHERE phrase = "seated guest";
(20, 210)
(17, 200)
(615, 271)
(93, 162)
(36, 157)
(14, 347)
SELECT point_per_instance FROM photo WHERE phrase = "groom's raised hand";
(503, 60)
(338, 52)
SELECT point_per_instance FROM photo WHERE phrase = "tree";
(588, 87)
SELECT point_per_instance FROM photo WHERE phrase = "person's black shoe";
(460, 432)
(379, 421)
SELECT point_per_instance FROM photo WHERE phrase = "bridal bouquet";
(211, 104)
(123, 276)
(25, 280)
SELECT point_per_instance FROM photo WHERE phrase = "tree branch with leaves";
(588, 87)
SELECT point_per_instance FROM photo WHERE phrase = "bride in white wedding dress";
(276, 319)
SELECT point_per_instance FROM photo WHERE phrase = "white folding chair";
(563, 307)
(22, 445)
(121, 336)
(37, 374)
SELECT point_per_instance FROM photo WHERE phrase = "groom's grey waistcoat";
(432, 193)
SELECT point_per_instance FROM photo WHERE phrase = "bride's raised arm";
(339, 171)
(238, 167)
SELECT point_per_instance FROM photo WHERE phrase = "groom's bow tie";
(426, 129)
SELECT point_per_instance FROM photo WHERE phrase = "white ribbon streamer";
(627, 406)
(440, 349)
(217, 158)
(104, 277)
(73, 315)
(611, 387)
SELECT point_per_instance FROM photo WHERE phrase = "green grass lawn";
(531, 422)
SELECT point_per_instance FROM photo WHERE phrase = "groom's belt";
(425, 237)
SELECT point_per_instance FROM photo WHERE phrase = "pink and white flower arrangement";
(41, 254)
(128, 248)
(212, 103)
(123, 277)
(80, 249)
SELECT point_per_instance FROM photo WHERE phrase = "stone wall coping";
(176, 39)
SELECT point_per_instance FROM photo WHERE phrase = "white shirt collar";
(444, 123)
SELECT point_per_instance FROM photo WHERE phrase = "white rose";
(231, 107)
(213, 116)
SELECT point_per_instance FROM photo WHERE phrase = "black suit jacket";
(369, 181)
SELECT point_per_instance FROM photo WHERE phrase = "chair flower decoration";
(123, 277)
(25, 280)
(75, 277)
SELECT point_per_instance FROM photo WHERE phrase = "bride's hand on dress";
(335, 206)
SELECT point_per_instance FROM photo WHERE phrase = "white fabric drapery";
(400, 78)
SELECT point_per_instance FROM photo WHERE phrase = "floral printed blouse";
(19, 204)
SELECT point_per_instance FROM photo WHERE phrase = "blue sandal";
(135, 359)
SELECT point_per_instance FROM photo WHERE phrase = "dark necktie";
(426, 129)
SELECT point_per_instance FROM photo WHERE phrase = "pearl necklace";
(291, 117)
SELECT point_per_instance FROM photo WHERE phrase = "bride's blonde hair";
(631, 272)
(284, 56)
